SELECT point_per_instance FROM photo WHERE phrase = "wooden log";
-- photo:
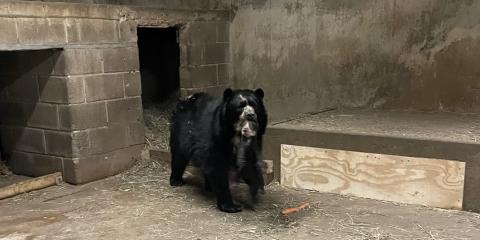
(30, 185)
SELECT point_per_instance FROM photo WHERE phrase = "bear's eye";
(242, 105)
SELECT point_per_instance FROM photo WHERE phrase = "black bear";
(218, 135)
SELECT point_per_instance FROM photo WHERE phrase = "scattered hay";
(157, 118)
(140, 200)
(4, 171)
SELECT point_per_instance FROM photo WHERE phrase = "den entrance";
(159, 54)
(28, 105)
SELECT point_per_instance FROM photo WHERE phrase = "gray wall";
(170, 4)
(314, 54)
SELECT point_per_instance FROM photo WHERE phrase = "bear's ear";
(227, 94)
(259, 93)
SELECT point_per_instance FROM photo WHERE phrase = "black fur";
(248, 166)
(203, 132)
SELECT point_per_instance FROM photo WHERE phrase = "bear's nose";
(250, 116)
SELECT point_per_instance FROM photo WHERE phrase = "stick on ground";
(30, 185)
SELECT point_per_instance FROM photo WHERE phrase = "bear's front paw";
(176, 182)
(230, 208)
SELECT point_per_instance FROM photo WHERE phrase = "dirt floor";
(139, 204)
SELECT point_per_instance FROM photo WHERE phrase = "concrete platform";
(414, 134)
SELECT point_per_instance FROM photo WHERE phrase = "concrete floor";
(139, 204)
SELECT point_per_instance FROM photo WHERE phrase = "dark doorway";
(159, 54)
(26, 111)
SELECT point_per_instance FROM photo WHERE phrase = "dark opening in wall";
(159, 54)
(3, 163)
(159, 64)
(27, 112)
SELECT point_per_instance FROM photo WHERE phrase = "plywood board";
(431, 182)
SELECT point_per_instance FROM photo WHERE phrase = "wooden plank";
(431, 182)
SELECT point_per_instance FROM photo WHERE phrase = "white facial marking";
(244, 126)
(247, 129)
(242, 97)
(248, 110)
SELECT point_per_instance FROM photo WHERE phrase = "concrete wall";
(314, 54)
(78, 109)
(81, 106)
(205, 60)
(169, 4)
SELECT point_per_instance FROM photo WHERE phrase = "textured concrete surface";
(310, 55)
(140, 204)
(178, 4)
(415, 134)
(446, 127)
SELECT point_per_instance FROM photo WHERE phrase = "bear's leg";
(220, 183)
(208, 186)
(178, 164)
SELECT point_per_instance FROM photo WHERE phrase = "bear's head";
(245, 110)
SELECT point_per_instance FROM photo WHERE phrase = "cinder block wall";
(78, 109)
(205, 60)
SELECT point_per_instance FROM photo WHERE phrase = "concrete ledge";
(22, 47)
(102, 11)
(468, 152)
